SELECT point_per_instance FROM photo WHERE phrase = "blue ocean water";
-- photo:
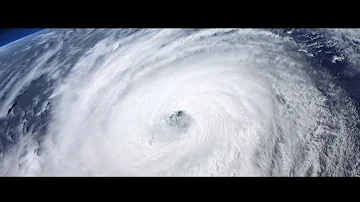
(8, 35)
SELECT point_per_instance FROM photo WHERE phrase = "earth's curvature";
(181, 102)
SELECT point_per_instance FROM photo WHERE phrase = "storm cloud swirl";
(174, 102)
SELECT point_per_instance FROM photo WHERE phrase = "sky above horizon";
(8, 35)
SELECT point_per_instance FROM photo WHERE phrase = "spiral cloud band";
(168, 102)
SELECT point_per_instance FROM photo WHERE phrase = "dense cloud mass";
(180, 102)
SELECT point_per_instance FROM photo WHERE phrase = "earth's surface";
(181, 102)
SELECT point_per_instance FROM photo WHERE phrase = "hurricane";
(181, 102)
